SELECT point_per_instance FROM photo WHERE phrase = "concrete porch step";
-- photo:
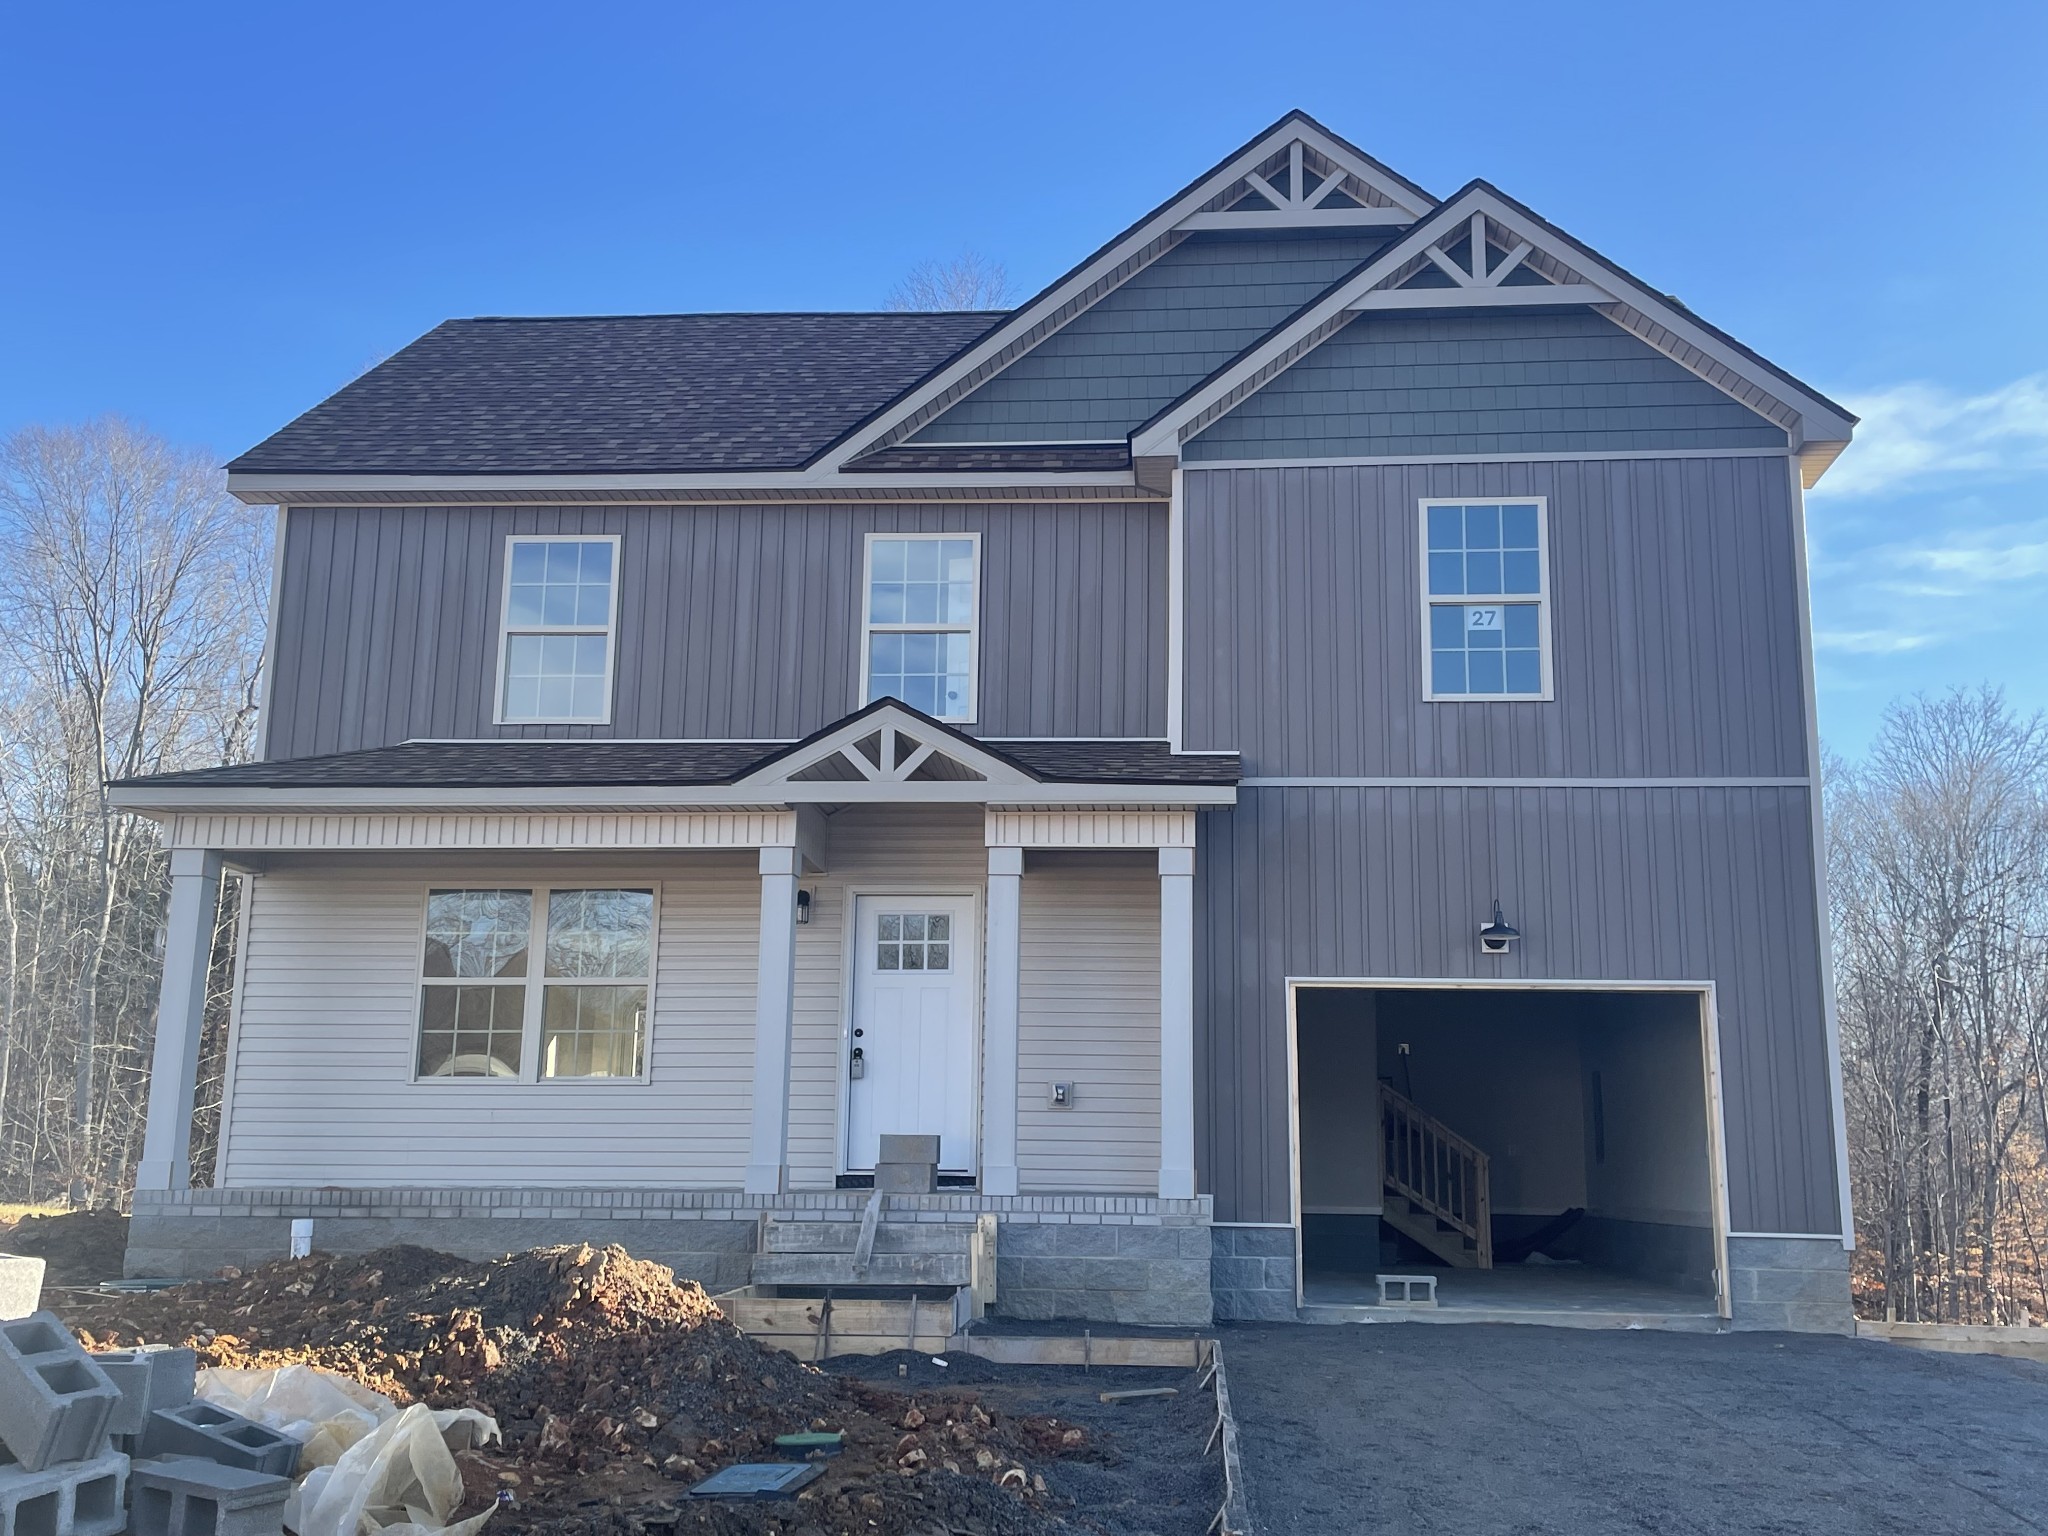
(841, 1237)
(952, 1269)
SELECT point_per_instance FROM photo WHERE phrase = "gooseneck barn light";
(1496, 937)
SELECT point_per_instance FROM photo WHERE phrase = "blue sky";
(214, 215)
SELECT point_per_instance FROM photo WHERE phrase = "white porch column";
(1176, 1023)
(174, 1069)
(774, 999)
(999, 1024)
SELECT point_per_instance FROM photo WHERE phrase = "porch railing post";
(774, 997)
(999, 1022)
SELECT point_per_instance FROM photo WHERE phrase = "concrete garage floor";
(1481, 1429)
(1573, 1295)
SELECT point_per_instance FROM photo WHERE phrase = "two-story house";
(1291, 753)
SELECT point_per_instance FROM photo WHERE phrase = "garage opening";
(1533, 1150)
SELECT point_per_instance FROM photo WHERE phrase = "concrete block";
(909, 1149)
(185, 1496)
(72, 1498)
(128, 1370)
(21, 1285)
(904, 1178)
(214, 1434)
(54, 1402)
(173, 1375)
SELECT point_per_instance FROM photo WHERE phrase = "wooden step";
(1448, 1244)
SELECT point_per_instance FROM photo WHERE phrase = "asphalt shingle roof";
(617, 394)
(612, 764)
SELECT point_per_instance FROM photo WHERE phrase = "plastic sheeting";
(399, 1480)
(367, 1468)
(326, 1413)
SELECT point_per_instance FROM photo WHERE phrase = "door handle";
(857, 1063)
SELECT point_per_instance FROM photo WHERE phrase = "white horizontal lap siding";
(923, 849)
(1088, 1014)
(324, 1054)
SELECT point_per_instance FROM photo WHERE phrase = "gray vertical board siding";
(1497, 381)
(734, 621)
(1145, 342)
(1667, 884)
(1674, 622)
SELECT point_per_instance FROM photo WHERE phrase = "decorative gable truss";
(886, 745)
(1301, 187)
(1482, 249)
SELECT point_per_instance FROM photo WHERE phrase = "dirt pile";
(76, 1247)
(616, 1387)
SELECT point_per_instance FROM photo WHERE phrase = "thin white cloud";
(1982, 562)
(1912, 433)
(1869, 642)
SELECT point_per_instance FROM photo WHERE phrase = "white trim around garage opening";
(1710, 1049)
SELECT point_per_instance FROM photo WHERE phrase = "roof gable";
(1297, 150)
(1522, 261)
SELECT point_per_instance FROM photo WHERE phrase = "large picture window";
(923, 614)
(556, 648)
(1486, 595)
(487, 1011)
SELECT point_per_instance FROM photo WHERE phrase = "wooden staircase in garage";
(1436, 1184)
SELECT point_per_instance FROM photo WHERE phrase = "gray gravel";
(1416, 1429)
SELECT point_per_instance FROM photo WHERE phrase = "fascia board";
(723, 797)
(268, 490)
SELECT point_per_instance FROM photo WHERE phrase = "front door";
(910, 1061)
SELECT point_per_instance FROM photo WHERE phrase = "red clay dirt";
(617, 1387)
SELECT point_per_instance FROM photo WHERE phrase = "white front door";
(910, 1061)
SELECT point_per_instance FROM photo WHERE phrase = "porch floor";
(1562, 1295)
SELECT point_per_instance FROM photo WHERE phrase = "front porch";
(1042, 1023)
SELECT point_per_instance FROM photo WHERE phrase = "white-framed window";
(558, 630)
(1485, 598)
(488, 1011)
(921, 622)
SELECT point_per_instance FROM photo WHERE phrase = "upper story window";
(561, 612)
(486, 1010)
(1486, 599)
(923, 620)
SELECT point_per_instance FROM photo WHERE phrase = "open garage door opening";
(1541, 1153)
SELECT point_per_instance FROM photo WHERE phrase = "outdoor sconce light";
(1496, 937)
(803, 905)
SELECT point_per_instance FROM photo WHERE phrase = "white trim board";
(1400, 460)
(1417, 782)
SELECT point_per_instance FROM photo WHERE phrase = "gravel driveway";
(1408, 1429)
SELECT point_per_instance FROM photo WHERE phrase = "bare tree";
(1939, 872)
(969, 281)
(130, 619)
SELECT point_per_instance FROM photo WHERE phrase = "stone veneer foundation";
(1091, 1258)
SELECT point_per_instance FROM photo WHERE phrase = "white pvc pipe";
(302, 1237)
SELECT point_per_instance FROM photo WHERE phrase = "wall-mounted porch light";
(1496, 937)
(803, 905)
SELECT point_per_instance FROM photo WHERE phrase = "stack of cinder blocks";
(82, 1436)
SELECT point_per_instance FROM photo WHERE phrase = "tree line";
(132, 598)
(132, 594)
